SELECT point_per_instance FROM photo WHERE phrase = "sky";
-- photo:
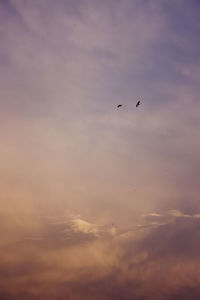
(99, 202)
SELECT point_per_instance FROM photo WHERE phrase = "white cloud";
(167, 217)
(79, 225)
(82, 226)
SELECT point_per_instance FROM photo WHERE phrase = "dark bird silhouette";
(119, 105)
(138, 103)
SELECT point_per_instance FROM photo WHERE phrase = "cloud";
(79, 225)
(112, 267)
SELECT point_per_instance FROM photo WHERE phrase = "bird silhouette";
(119, 105)
(138, 103)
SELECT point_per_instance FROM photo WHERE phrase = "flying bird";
(138, 103)
(119, 105)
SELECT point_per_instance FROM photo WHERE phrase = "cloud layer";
(76, 259)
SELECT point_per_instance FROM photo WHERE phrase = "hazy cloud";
(126, 268)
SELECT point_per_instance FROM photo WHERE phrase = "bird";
(119, 105)
(138, 103)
